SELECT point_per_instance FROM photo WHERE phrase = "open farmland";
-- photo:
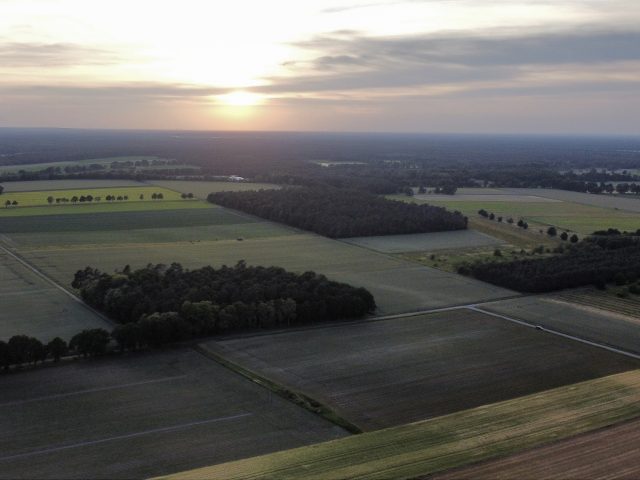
(32, 306)
(583, 321)
(203, 189)
(141, 416)
(391, 372)
(105, 162)
(604, 300)
(421, 242)
(38, 198)
(442, 443)
(40, 185)
(88, 220)
(575, 217)
(629, 203)
(604, 454)
(398, 285)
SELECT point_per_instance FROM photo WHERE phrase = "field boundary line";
(122, 437)
(295, 397)
(90, 390)
(25, 263)
(555, 332)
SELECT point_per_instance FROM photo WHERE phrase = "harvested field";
(398, 286)
(604, 454)
(442, 443)
(387, 373)
(83, 221)
(583, 321)
(628, 203)
(424, 242)
(32, 306)
(142, 415)
(604, 300)
(39, 185)
(203, 189)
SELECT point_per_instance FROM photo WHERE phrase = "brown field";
(385, 373)
(604, 300)
(142, 415)
(608, 453)
(439, 444)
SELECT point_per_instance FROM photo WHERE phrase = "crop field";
(604, 454)
(421, 242)
(90, 220)
(38, 198)
(387, 373)
(398, 285)
(203, 189)
(583, 321)
(484, 197)
(575, 217)
(39, 185)
(106, 207)
(32, 306)
(141, 416)
(629, 203)
(29, 167)
(443, 443)
(605, 300)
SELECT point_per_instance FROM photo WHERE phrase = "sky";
(459, 66)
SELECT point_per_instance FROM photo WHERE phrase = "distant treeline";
(597, 260)
(159, 304)
(339, 213)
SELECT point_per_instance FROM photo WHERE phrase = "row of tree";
(492, 216)
(337, 213)
(26, 350)
(234, 297)
(596, 260)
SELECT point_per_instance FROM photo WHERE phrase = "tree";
(154, 196)
(552, 231)
(564, 236)
(7, 204)
(141, 197)
(50, 199)
(574, 238)
(160, 196)
(57, 348)
(128, 336)
(74, 199)
(1, 189)
(422, 189)
(90, 342)
(183, 196)
(5, 357)
(14, 203)
(492, 216)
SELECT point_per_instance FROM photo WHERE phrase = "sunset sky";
(495, 66)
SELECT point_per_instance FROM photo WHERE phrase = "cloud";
(354, 61)
(121, 90)
(44, 55)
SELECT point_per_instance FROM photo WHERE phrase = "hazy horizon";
(569, 67)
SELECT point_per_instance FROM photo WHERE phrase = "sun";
(241, 99)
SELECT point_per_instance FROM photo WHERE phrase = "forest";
(597, 260)
(340, 213)
(170, 303)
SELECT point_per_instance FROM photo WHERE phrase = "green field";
(32, 306)
(387, 373)
(106, 162)
(425, 242)
(133, 194)
(142, 415)
(398, 285)
(203, 189)
(565, 315)
(439, 444)
(574, 217)
(120, 218)
(40, 185)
